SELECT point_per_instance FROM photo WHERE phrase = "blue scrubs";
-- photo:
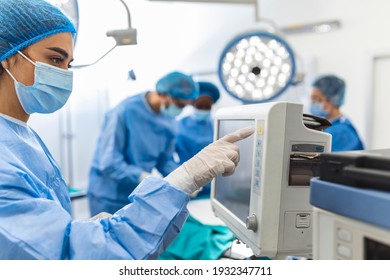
(134, 139)
(193, 136)
(344, 135)
(35, 209)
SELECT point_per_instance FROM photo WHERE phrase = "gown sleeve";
(32, 227)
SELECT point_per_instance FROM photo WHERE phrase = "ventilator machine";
(265, 203)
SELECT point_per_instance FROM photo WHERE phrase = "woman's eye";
(57, 60)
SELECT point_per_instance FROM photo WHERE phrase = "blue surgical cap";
(209, 89)
(332, 87)
(25, 22)
(178, 85)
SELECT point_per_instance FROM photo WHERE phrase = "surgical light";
(256, 67)
(124, 37)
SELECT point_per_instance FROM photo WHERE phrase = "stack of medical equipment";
(351, 200)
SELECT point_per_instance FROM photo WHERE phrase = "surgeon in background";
(138, 135)
(197, 130)
(327, 96)
(196, 240)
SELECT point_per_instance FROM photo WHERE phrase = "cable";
(85, 65)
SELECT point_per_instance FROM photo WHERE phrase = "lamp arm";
(128, 12)
(85, 65)
(122, 37)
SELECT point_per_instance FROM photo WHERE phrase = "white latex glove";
(195, 193)
(219, 158)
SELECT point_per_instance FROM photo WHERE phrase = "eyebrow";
(60, 51)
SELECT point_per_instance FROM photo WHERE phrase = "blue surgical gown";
(193, 135)
(344, 135)
(35, 209)
(134, 139)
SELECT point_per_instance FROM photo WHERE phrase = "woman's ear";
(4, 64)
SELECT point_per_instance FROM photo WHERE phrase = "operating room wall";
(188, 37)
(365, 29)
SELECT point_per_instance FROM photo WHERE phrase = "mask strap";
(22, 54)
(9, 73)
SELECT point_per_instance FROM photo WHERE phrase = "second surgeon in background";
(138, 135)
(327, 96)
(197, 130)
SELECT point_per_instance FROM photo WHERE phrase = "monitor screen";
(376, 250)
(233, 192)
(265, 203)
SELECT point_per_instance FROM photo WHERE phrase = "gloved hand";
(195, 193)
(219, 158)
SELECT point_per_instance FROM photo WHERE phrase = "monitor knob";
(251, 222)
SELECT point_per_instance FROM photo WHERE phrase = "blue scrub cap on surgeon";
(332, 87)
(25, 22)
(178, 85)
(209, 89)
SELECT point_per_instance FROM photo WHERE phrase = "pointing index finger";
(239, 134)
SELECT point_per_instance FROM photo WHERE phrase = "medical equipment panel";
(266, 201)
(349, 222)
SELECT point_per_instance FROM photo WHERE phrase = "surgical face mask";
(50, 91)
(201, 115)
(317, 109)
(172, 111)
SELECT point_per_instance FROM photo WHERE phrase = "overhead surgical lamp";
(257, 66)
(123, 37)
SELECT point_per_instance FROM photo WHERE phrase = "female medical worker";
(327, 96)
(197, 130)
(36, 47)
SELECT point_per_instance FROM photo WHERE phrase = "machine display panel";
(233, 192)
(376, 250)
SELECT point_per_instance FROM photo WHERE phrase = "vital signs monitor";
(265, 203)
